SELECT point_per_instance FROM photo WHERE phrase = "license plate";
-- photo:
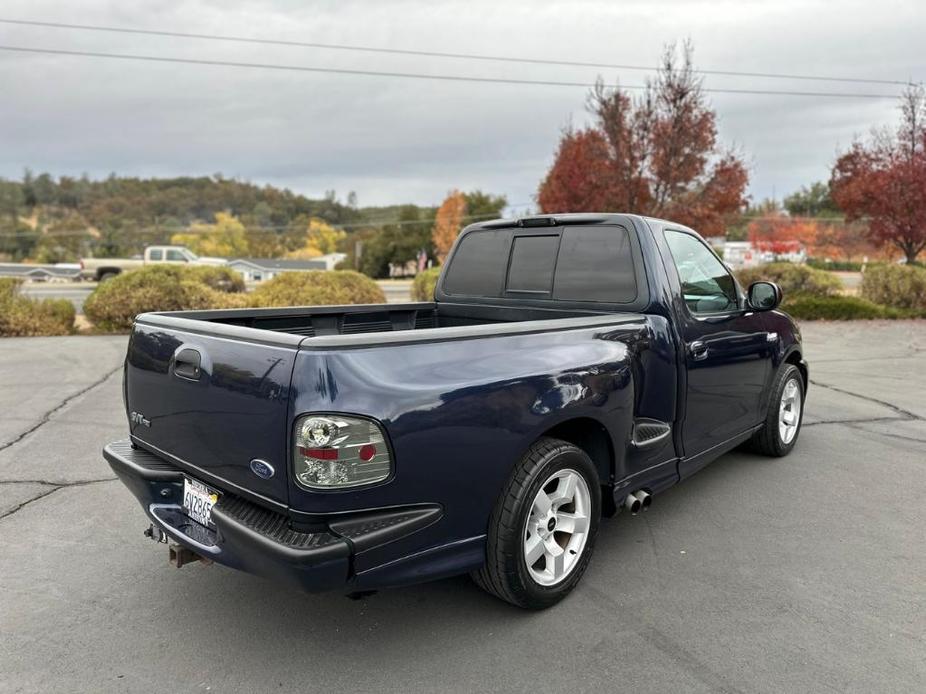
(198, 500)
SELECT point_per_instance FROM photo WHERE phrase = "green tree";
(399, 242)
(482, 206)
(812, 201)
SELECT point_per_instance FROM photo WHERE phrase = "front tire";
(785, 414)
(542, 531)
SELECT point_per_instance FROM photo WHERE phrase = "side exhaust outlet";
(632, 504)
(646, 499)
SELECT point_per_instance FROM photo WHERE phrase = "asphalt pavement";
(800, 574)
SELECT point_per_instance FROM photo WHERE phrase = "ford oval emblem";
(262, 468)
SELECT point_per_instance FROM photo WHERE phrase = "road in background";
(396, 291)
(756, 575)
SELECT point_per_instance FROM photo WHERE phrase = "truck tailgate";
(212, 405)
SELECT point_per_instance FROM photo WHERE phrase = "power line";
(413, 75)
(438, 54)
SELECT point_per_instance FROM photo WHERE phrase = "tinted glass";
(595, 264)
(532, 261)
(479, 263)
(707, 285)
(176, 256)
(155, 254)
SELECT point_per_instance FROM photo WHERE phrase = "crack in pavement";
(904, 414)
(55, 486)
(44, 419)
(856, 421)
(886, 433)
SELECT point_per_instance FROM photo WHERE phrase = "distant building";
(739, 254)
(41, 273)
(262, 269)
(742, 254)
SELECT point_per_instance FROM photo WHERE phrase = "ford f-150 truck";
(569, 367)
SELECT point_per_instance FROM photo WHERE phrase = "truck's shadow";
(220, 602)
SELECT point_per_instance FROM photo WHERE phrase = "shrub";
(900, 286)
(22, 316)
(793, 279)
(220, 278)
(113, 305)
(317, 287)
(838, 265)
(843, 308)
(423, 286)
(9, 287)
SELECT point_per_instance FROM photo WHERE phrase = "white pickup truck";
(101, 269)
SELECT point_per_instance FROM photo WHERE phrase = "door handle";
(188, 363)
(698, 350)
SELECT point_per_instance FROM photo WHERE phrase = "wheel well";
(108, 271)
(592, 437)
(795, 358)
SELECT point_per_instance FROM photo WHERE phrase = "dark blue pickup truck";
(570, 366)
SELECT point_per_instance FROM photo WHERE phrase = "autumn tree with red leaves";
(448, 223)
(656, 155)
(781, 235)
(884, 180)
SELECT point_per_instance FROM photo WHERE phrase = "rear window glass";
(532, 261)
(595, 264)
(591, 263)
(479, 264)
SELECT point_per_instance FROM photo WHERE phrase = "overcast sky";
(396, 140)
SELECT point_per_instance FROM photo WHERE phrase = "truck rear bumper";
(258, 540)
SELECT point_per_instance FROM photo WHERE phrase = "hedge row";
(424, 284)
(22, 316)
(887, 291)
(844, 308)
(317, 288)
(114, 304)
(793, 279)
(900, 286)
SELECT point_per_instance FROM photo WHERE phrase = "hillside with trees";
(46, 219)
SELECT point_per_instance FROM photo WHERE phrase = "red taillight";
(319, 453)
(334, 451)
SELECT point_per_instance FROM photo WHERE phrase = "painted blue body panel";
(460, 414)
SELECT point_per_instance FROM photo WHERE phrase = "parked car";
(102, 269)
(570, 366)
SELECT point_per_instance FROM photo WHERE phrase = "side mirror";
(763, 296)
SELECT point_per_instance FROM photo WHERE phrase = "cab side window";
(707, 285)
(176, 256)
(155, 255)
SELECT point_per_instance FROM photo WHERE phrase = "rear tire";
(542, 531)
(785, 415)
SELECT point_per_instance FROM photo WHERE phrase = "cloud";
(393, 139)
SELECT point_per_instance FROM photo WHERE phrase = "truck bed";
(322, 321)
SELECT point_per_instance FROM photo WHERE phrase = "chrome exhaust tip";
(646, 499)
(632, 504)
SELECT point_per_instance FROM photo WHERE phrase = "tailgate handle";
(187, 364)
